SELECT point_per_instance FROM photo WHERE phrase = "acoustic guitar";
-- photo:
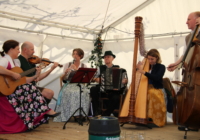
(8, 84)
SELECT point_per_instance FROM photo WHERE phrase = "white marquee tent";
(57, 27)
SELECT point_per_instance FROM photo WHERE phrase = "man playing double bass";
(192, 20)
(27, 51)
(112, 95)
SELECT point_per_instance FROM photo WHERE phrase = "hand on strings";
(198, 21)
(139, 67)
(16, 76)
(171, 67)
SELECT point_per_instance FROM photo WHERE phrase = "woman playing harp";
(135, 106)
(156, 106)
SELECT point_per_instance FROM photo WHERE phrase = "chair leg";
(91, 109)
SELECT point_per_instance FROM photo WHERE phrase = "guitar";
(8, 84)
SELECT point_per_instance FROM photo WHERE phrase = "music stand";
(83, 75)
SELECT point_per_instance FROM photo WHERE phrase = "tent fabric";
(57, 27)
(68, 14)
(160, 17)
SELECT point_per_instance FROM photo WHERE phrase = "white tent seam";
(40, 32)
(146, 3)
(51, 24)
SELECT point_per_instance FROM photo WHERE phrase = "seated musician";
(112, 95)
(25, 108)
(156, 107)
(69, 97)
(27, 51)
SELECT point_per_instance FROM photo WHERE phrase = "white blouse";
(4, 61)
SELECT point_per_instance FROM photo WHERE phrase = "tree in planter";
(96, 58)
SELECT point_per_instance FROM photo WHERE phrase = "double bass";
(135, 105)
(186, 110)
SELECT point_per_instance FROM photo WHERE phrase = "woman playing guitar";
(20, 110)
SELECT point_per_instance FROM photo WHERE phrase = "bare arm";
(35, 77)
(5, 71)
(96, 80)
(173, 66)
(17, 76)
(45, 74)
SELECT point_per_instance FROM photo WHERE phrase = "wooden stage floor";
(73, 131)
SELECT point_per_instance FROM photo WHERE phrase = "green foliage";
(95, 60)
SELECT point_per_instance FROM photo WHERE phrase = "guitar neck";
(27, 72)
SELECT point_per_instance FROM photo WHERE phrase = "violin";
(35, 60)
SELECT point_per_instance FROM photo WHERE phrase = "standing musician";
(192, 20)
(156, 107)
(113, 95)
(27, 51)
(25, 108)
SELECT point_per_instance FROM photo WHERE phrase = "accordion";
(111, 79)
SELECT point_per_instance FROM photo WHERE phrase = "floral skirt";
(156, 107)
(30, 105)
(70, 102)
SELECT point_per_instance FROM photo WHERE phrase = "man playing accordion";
(112, 82)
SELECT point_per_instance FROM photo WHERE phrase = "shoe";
(47, 122)
(77, 119)
(194, 129)
(53, 115)
(143, 125)
(182, 128)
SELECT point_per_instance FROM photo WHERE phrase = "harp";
(134, 108)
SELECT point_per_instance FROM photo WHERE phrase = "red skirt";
(10, 122)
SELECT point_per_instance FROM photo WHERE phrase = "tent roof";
(84, 18)
(77, 15)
